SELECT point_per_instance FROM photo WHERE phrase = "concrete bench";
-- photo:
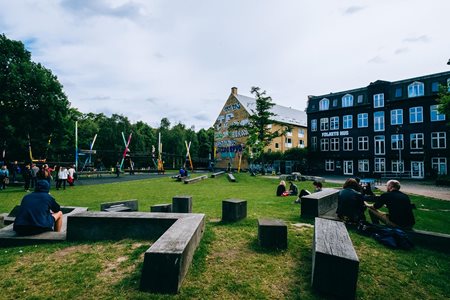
(182, 204)
(120, 206)
(167, 261)
(9, 219)
(9, 238)
(335, 264)
(272, 233)
(167, 207)
(320, 204)
(231, 177)
(433, 240)
(196, 179)
(233, 210)
(214, 175)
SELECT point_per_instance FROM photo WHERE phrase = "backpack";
(393, 238)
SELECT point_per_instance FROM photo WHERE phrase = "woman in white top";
(62, 176)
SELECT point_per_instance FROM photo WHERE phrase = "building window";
(363, 143)
(378, 121)
(301, 133)
(301, 144)
(397, 166)
(379, 145)
(347, 100)
(397, 141)
(363, 120)
(416, 114)
(334, 144)
(448, 84)
(360, 98)
(314, 125)
(439, 165)
(324, 104)
(363, 165)
(324, 145)
(378, 100)
(329, 165)
(435, 115)
(269, 126)
(415, 89)
(323, 124)
(438, 140)
(277, 146)
(334, 102)
(416, 141)
(347, 122)
(314, 143)
(380, 165)
(435, 87)
(347, 144)
(398, 92)
(289, 132)
(396, 116)
(334, 123)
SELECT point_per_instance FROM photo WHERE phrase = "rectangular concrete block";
(131, 204)
(320, 203)
(335, 264)
(233, 210)
(167, 207)
(182, 204)
(272, 233)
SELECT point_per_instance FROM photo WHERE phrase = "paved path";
(418, 187)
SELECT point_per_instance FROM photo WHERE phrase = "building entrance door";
(348, 167)
(417, 169)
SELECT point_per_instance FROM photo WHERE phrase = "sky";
(178, 59)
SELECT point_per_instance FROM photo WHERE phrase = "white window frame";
(348, 167)
(397, 116)
(363, 143)
(288, 142)
(347, 122)
(417, 140)
(301, 144)
(347, 144)
(439, 140)
(324, 124)
(301, 133)
(334, 144)
(416, 114)
(324, 145)
(329, 165)
(435, 116)
(397, 166)
(378, 100)
(363, 120)
(416, 89)
(379, 144)
(437, 162)
(363, 165)
(380, 165)
(314, 143)
(378, 121)
(397, 142)
(334, 123)
(347, 100)
(324, 104)
(314, 125)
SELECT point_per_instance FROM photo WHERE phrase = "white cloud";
(179, 59)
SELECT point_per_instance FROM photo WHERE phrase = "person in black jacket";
(351, 204)
(26, 174)
(39, 212)
(398, 204)
(281, 188)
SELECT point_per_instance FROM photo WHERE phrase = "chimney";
(234, 91)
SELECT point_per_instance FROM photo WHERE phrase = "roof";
(283, 114)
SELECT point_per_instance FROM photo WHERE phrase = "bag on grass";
(393, 238)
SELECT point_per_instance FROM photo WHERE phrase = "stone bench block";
(231, 177)
(196, 179)
(117, 206)
(214, 175)
(167, 207)
(182, 204)
(320, 203)
(233, 210)
(272, 233)
(335, 264)
(432, 240)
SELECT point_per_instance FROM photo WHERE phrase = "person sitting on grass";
(293, 189)
(281, 188)
(38, 212)
(303, 192)
(399, 207)
(351, 205)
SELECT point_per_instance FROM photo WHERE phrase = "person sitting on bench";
(38, 212)
(351, 205)
(399, 207)
(303, 192)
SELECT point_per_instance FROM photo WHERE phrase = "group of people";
(355, 198)
(31, 173)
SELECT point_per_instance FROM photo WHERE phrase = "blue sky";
(179, 59)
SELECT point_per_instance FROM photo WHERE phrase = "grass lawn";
(229, 264)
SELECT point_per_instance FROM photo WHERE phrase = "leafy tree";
(32, 103)
(260, 135)
(444, 101)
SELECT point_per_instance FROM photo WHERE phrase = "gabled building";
(229, 144)
(385, 129)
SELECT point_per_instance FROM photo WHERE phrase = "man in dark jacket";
(39, 212)
(398, 204)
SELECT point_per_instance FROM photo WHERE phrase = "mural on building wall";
(229, 144)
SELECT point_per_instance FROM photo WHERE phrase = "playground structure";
(32, 159)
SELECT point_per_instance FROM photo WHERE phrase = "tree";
(444, 101)
(32, 103)
(260, 135)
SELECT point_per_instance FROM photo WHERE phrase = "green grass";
(228, 264)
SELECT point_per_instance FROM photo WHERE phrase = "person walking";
(34, 171)
(4, 177)
(26, 175)
(71, 175)
(62, 177)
